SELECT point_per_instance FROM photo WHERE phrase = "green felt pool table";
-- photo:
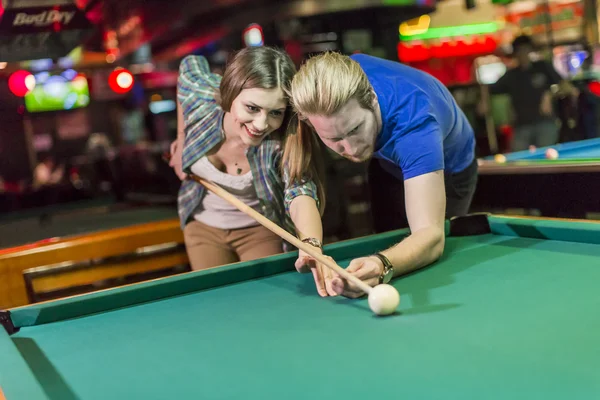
(565, 187)
(511, 311)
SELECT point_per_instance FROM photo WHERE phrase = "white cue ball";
(384, 299)
(551, 154)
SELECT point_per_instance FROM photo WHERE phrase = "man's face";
(351, 132)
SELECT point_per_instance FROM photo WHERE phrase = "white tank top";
(218, 213)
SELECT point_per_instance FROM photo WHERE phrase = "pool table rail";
(561, 229)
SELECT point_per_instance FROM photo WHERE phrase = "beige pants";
(210, 247)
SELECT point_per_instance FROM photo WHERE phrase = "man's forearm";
(416, 251)
(306, 218)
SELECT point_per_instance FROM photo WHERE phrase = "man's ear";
(374, 101)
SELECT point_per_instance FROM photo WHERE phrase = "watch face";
(388, 275)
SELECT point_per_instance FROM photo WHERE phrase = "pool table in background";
(565, 187)
(71, 222)
(509, 312)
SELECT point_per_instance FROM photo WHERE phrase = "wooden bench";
(28, 273)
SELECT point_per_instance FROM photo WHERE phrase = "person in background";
(46, 172)
(588, 105)
(532, 87)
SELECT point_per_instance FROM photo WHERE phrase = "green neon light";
(448, 31)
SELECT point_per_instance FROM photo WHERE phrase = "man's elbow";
(438, 241)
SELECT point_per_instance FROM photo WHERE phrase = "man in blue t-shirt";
(424, 167)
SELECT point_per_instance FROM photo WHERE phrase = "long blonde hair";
(323, 85)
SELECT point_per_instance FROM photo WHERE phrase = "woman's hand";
(323, 275)
(176, 159)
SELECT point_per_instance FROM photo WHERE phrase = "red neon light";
(21, 82)
(120, 81)
(56, 24)
(594, 87)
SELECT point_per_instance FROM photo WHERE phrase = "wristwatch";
(388, 269)
(313, 242)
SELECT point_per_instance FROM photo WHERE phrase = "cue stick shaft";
(276, 229)
(489, 122)
(279, 231)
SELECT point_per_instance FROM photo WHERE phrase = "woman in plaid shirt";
(231, 131)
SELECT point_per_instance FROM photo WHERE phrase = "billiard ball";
(500, 158)
(384, 299)
(551, 154)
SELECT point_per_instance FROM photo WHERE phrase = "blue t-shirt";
(423, 129)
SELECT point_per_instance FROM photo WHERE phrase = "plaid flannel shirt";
(196, 88)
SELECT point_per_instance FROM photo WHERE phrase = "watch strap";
(387, 267)
(313, 242)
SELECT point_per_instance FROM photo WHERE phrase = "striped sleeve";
(295, 189)
(196, 89)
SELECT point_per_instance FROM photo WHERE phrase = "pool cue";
(279, 231)
(489, 122)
